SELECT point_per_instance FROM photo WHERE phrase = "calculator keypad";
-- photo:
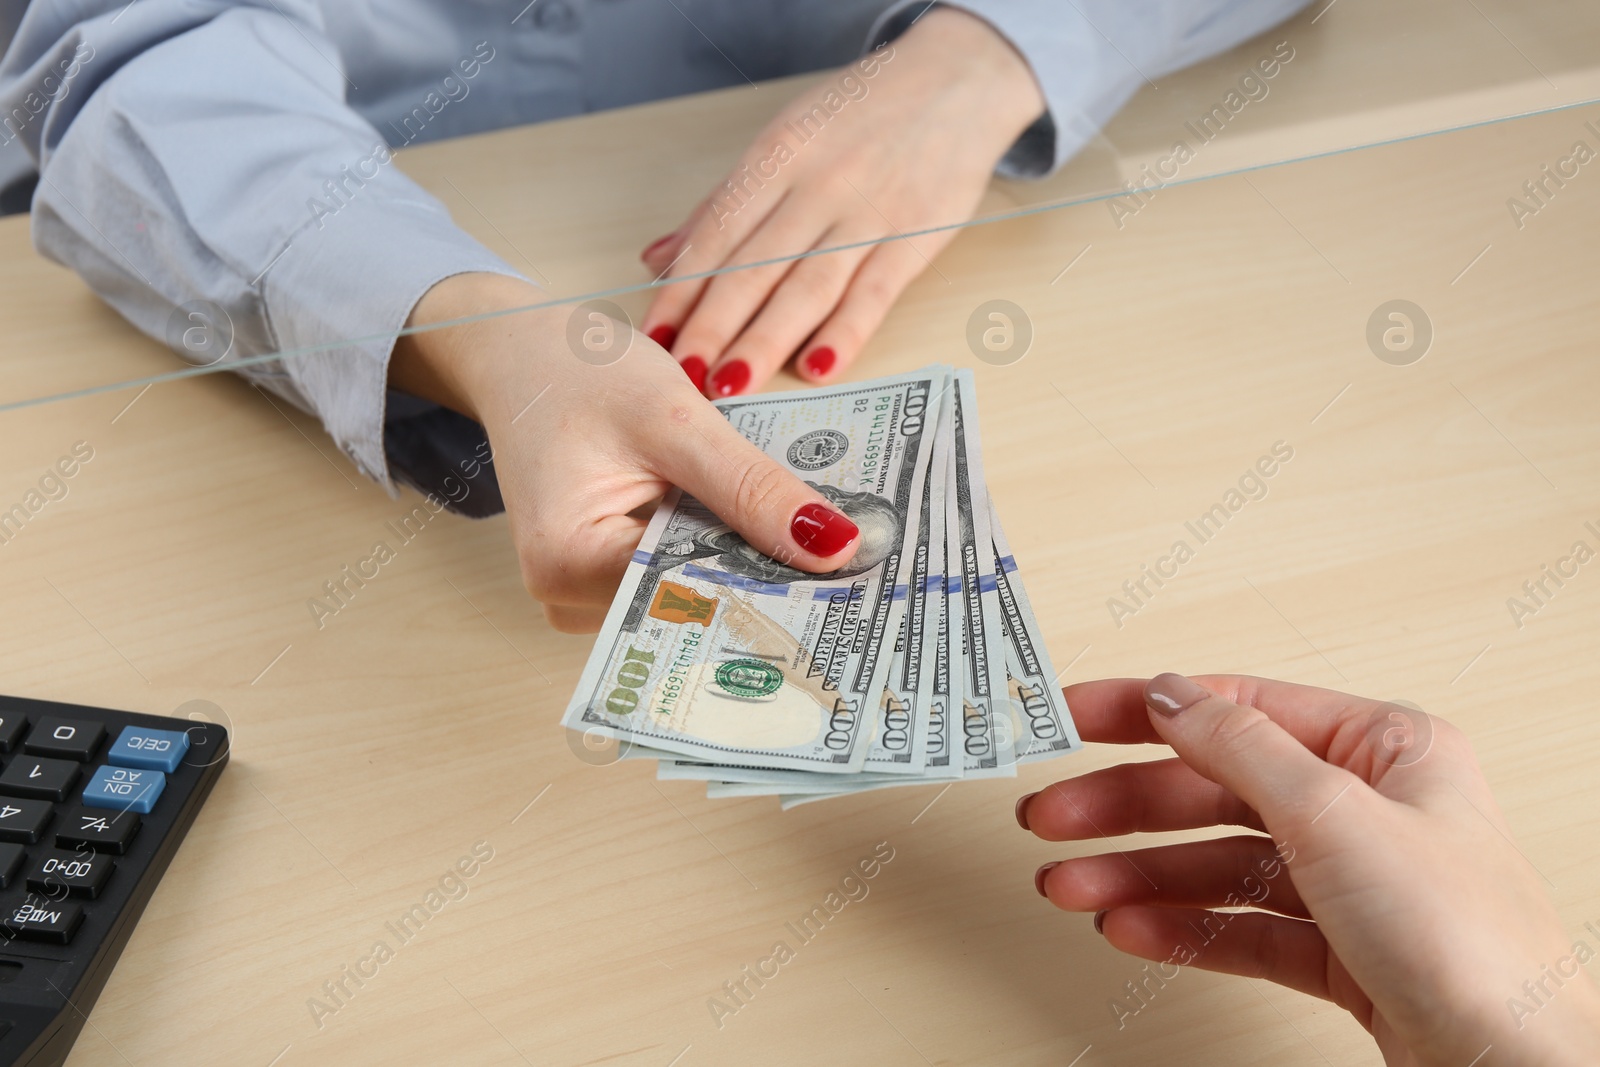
(51, 860)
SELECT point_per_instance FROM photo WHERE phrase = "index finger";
(1112, 711)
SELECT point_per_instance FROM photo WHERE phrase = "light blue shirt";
(238, 152)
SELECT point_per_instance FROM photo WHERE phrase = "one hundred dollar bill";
(900, 743)
(974, 624)
(718, 653)
(1041, 722)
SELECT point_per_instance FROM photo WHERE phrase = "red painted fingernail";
(695, 368)
(731, 378)
(664, 335)
(1022, 810)
(657, 243)
(1038, 877)
(820, 530)
(819, 361)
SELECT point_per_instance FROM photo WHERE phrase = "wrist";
(456, 365)
(967, 51)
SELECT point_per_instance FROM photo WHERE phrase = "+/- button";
(99, 831)
(64, 738)
(155, 750)
(35, 776)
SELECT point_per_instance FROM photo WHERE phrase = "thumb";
(1243, 750)
(777, 513)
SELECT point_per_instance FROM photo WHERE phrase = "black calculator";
(93, 803)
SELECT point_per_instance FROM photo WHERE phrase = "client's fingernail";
(664, 335)
(819, 361)
(1100, 921)
(1022, 810)
(731, 378)
(820, 530)
(1038, 877)
(695, 368)
(657, 243)
(1171, 693)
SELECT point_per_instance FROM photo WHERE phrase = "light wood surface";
(374, 754)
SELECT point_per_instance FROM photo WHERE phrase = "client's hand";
(582, 451)
(1393, 889)
(901, 141)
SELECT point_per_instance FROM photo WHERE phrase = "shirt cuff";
(341, 290)
(1083, 82)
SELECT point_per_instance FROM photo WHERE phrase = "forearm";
(1090, 56)
(245, 183)
(457, 366)
(968, 55)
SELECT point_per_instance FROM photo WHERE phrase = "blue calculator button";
(124, 789)
(156, 750)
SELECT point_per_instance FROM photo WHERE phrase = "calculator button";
(64, 738)
(37, 918)
(23, 820)
(155, 750)
(12, 723)
(73, 874)
(101, 830)
(10, 860)
(35, 776)
(123, 789)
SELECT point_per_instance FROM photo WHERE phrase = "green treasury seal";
(749, 678)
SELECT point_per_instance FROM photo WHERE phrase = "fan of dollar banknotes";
(918, 662)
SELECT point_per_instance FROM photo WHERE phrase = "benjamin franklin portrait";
(717, 547)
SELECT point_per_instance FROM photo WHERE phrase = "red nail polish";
(1100, 921)
(731, 378)
(1038, 877)
(822, 531)
(1022, 810)
(695, 368)
(657, 243)
(819, 361)
(664, 335)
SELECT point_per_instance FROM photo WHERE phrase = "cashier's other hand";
(583, 450)
(900, 141)
(1389, 883)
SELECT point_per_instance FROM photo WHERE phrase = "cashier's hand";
(582, 451)
(1400, 895)
(900, 141)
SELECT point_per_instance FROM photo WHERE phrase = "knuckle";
(815, 286)
(877, 288)
(1234, 732)
(761, 485)
(544, 573)
(539, 581)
